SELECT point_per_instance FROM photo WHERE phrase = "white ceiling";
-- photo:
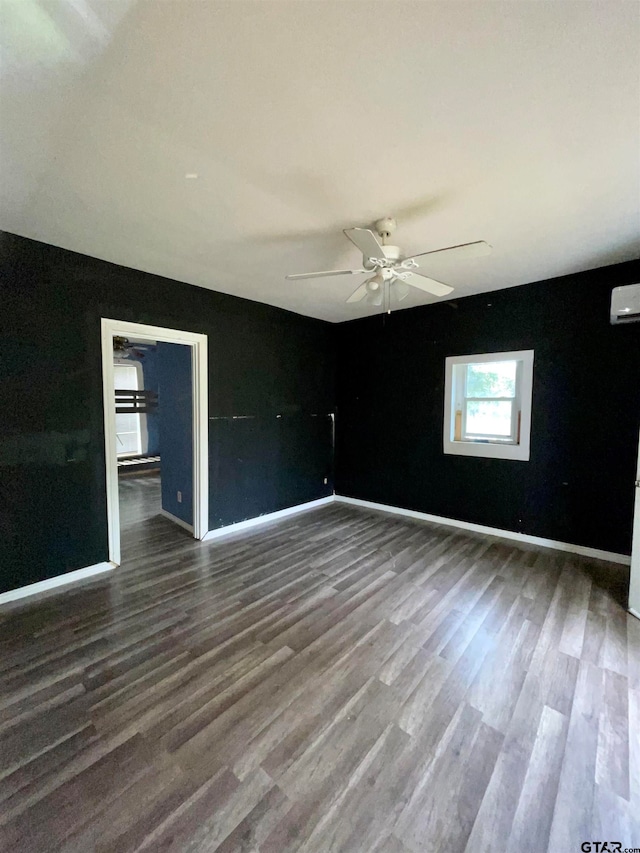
(514, 122)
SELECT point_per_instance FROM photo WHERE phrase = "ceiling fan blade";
(429, 285)
(400, 289)
(465, 250)
(366, 241)
(359, 293)
(323, 274)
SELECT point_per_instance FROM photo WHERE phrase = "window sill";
(487, 450)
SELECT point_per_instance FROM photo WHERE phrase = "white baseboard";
(634, 612)
(177, 520)
(263, 519)
(51, 583)
(512, 535)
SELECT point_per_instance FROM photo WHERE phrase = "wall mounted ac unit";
(625, 304)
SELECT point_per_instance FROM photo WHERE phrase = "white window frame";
(454, 393)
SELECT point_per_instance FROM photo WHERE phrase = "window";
(128, 431)
(488, 404)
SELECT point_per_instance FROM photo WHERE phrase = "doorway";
(132, 433)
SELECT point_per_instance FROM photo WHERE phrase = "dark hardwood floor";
(338, 681)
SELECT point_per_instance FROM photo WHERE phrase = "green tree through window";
(491, 379)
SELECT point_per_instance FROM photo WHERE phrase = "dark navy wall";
(263, 362)
(175, 412)
(271, 390)
(577, 486)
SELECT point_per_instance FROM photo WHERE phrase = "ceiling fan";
(393, 274)
(123, 348)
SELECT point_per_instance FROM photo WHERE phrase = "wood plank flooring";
(338, 681)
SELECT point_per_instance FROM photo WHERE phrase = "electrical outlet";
(326, 481)
(179, 497)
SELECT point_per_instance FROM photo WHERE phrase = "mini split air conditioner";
(625, 304)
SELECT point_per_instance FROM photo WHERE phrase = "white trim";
(177, 520)
(491, 450)
(198, 344)
(199, 365)
(583, 550)
(634, 574)
(51, 583)
(634, 613)
(263, 519)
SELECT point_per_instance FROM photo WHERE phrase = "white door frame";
(198, 344)
(634, 577)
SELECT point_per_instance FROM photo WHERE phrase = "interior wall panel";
(263, 362)
(577, 486)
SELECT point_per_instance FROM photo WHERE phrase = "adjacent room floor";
(339, 681)
(140, 503)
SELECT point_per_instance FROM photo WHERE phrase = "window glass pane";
(127, 423)
(128, 438)
(489, 418)
(128, 442)
(125, 377)
(491, 379)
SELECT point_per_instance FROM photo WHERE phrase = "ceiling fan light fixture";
(375, 298)
(374, 284)
(374, 290)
